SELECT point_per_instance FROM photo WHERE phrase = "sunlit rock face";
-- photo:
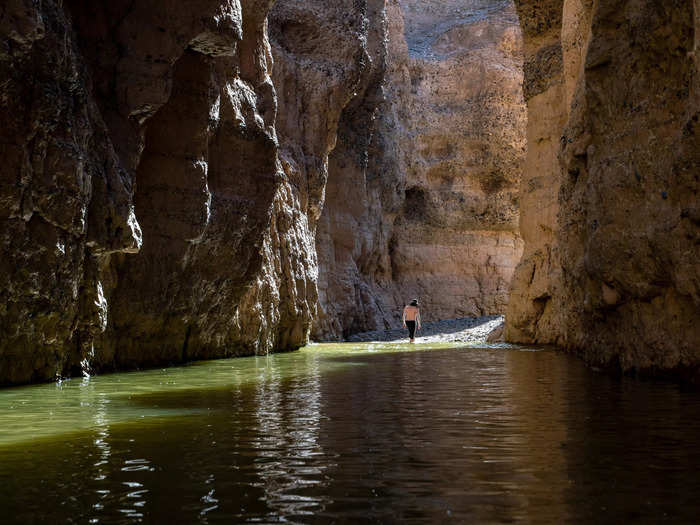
(426, 205)
(610, 191)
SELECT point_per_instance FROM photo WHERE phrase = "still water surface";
(353, 433)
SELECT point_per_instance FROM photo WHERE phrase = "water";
(353, 434)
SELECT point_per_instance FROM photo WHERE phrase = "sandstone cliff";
(151, 211)
(212, 178)
(610, 190)
(427, 205)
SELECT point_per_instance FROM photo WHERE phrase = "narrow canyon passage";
(240, 178)
(182, 183)
(425, 205)
(351, 433)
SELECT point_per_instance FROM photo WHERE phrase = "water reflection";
(539, 388)
(638, 440)
(287, 418)
(353, 434)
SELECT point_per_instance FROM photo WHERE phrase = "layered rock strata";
(427, 206)
(610, 197)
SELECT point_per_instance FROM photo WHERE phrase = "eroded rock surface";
(329, 57)
(66, 195)
(610, 197)
(171, 171)
(130, 128)
(151, 213)
(426, 206)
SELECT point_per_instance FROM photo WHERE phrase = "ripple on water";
(353, 433)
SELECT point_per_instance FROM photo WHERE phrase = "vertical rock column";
(352, 225)
(621, 284)
(532, 316)
(206, 185)
(629, 233)
(329, 63)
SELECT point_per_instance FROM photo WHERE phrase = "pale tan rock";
(619, 114)
(428, 208)
(531, 315)
(497, 334)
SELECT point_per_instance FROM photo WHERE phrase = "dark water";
(353, 434)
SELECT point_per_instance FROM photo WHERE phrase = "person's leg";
(411, 325)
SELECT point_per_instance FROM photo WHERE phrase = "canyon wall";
(66, 194)
(151, 213)
(609, 206)
(426, 205)
(171, 172)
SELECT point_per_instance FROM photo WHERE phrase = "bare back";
(410, 313)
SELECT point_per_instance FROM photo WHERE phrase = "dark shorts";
(411, 325)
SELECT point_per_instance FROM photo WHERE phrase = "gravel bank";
(465, 329)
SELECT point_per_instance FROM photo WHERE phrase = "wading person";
(411, 319)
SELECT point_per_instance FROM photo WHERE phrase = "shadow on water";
(464, 435)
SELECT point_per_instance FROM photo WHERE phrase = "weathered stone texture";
(328, 57)
(426, 205)
(625, 285)
(65, 195)
(531, 315)
(151, 212)
(125, 123)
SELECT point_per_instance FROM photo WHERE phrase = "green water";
(353, 433)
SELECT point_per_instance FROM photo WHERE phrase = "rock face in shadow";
(66, 194)
(426, 204)
(131, 128)
(610, 196)
(151, 214)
